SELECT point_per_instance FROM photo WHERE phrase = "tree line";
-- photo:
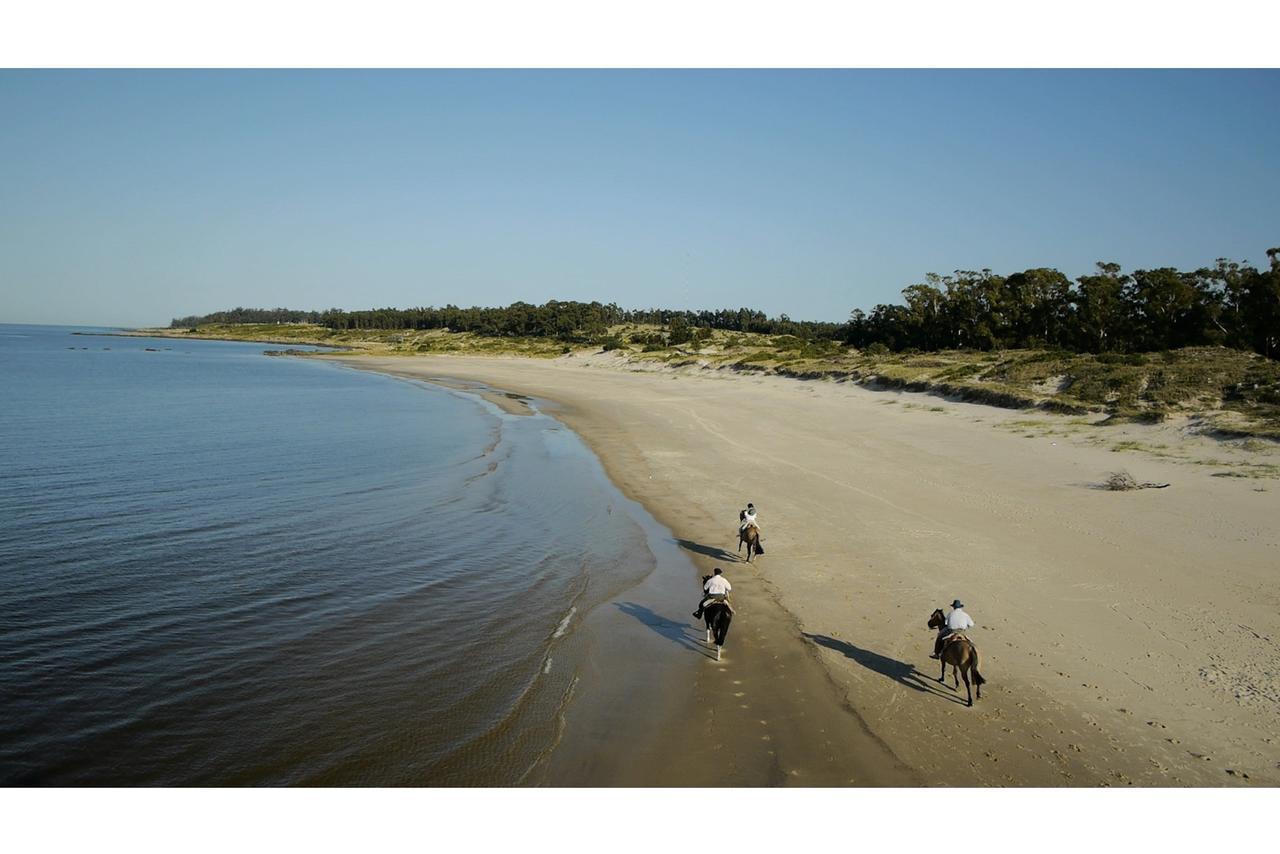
(248, 315)
(1108, 311)
(571, 322)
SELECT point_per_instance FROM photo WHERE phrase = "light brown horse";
(962, 655)
(750, 536)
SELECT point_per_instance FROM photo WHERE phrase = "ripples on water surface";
(223, 568)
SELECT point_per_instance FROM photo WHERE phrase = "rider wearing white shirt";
(957, 621)
(717, 589)
(717, 585)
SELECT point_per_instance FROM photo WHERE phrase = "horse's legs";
(943, 676)
(708, 634)
(967, 689)
(955, 675)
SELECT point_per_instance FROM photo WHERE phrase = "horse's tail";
(977, 677)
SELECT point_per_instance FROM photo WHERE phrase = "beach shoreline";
(875, 514)
(655, 716)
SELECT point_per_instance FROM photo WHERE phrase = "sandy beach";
(1128, 638)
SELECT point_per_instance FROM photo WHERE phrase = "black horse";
(717, 617)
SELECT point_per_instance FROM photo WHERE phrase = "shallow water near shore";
(222, 568)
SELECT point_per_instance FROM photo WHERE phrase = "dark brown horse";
(962, 655)
(751, 536)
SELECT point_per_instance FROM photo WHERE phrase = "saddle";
(718, 599)
(953, 637)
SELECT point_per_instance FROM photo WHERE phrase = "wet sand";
(1128, 638)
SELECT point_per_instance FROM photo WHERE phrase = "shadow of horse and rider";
(899, 671)
(717, 553)
(676, 631)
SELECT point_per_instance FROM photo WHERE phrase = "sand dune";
(1127, 638)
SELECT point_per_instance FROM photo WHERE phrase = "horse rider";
(747, 518)
(715, 589)
(957, 621)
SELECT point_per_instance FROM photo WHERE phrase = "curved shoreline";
(614, 656)
(808, 735)
(609, 657)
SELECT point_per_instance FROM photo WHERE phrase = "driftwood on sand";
(1122, 481)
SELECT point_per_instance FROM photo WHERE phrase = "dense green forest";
(574, 322)
(1230, 304)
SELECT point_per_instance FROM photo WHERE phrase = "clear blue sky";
(127, 198)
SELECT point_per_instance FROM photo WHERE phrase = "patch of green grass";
(960, 372)
(1256, 472)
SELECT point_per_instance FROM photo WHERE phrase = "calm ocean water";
(222, 568)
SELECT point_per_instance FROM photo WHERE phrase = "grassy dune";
(1234, 392)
